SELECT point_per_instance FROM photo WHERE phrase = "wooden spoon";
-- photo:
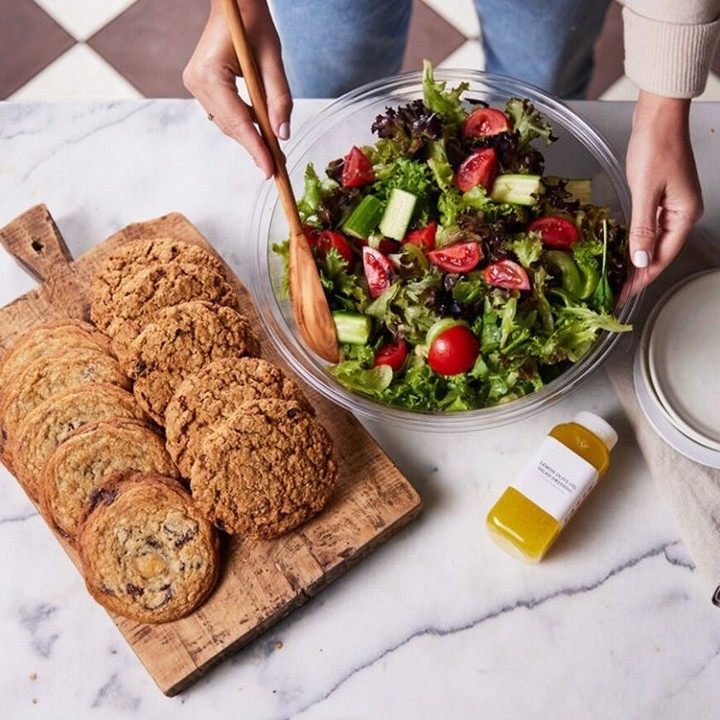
(307, 297)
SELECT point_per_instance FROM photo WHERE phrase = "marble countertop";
(438, 622)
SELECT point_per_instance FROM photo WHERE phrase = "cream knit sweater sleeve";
(670, 44)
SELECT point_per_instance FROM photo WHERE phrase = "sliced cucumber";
(580, 189)
(364, 218)
(517, 189)
(570, 277)
(352, 328)
(397, 215)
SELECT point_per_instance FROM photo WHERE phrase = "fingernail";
(284, 131)
(641, 259)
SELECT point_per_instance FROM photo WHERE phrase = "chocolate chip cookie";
(43, 429)
(47, 338)
(180, 340)
(214, 392)
(264, 470)
(50, 374)
(146, 552)
(88, 456)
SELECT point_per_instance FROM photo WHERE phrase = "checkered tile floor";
(115, 49)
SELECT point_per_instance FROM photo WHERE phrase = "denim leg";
(548, 43)
(332, 46)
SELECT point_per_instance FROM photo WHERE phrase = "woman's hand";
(211, 74)
(664, 184)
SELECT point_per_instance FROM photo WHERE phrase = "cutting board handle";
(34, 240)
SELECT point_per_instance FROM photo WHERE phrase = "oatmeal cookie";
(179, 341)
(43, 429)
(134, 256)
(48, 338)
(51, 374)
(214, 392)
(264, 470)
(87, 456)
(145, 550)
(157, 286)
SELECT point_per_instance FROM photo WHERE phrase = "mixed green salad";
(459, 274)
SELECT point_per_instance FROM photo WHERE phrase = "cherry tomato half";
(424, 238)
(555, 230)
(392, 354)
(379, 271)
(357, 169)
(459, 258)
(507, 274)
(484, 122)
(323, 240)
(453, 351)
(478, 168)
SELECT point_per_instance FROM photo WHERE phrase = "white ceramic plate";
(683, 353)
(659, 421)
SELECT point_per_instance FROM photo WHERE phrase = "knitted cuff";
(666, 58)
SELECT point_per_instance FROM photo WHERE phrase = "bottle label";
(556, 479)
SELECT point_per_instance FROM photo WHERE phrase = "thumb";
(643, 231)
(642, 244)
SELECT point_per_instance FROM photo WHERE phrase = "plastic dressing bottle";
(533, 510)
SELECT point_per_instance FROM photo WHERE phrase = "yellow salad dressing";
(536, 506)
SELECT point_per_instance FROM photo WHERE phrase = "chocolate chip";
(134, 590)
(102, 496)
(179, 538)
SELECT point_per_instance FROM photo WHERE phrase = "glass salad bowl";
(578, 152)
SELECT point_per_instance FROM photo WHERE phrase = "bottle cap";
(598, 426)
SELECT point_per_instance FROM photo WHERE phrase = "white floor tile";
(79, 74)
(621, 89)
(624, 89)
(459, 13)
(712, 91)
(83, 18)
(468, 56)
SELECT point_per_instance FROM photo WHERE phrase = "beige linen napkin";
(691, 490)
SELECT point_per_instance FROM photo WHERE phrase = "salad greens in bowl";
(469, 233)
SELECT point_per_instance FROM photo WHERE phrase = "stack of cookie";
(143, 433)
(259, 461)
(70, 423)
(56, 378)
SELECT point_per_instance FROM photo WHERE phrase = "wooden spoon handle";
(307, 296)
(258, 98)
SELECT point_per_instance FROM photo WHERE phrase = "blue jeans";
(333, 46)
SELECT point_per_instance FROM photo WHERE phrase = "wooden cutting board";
(262, 581)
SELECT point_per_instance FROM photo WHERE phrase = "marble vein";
(35, 620)
(29, 515)
(78, 139)
(521, 604)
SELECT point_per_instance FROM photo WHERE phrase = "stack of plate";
(677, 368)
